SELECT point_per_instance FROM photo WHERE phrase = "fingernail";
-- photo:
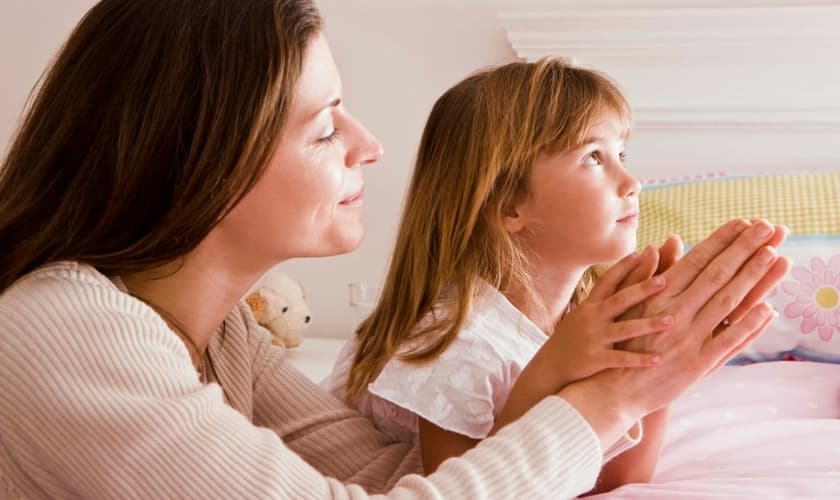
(766, 255)
(633, 256)
(667, 320)
(740, 225)
(656, 359)
(763, 230)
(768, 311)
(658, 281)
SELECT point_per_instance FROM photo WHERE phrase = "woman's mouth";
(355, 199)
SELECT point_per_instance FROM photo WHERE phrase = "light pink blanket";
(768, 430)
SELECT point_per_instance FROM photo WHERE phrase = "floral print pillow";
(808, 298)
(808, 302)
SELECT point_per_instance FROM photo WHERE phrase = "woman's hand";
(702, 289)
(656, 261)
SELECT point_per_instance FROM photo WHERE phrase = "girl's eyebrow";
(599, 139)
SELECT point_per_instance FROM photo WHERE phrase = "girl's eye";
(593, 159)
(622, 156)
(329, 139)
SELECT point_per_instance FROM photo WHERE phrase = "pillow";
(808, 298)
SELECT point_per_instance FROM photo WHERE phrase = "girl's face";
(583, 206)
(309, 201)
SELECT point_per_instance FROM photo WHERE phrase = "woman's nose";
(364, 149)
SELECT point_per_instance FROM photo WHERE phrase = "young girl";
(519, 194)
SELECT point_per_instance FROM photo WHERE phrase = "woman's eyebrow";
(332, 104)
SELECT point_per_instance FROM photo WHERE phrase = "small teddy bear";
(279, 304)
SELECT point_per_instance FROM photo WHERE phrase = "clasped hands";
(654, 320)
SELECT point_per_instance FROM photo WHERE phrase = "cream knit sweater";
(99, 399)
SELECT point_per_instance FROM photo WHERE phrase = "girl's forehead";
(609, 123)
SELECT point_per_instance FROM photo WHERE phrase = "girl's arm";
(638, 464)
(582, 344)
(437, 444)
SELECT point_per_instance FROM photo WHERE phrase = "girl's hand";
(652, 262)
(583, 342)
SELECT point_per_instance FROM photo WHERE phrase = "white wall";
(395, 57)
(30, 33)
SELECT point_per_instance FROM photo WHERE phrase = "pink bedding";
(767, 430)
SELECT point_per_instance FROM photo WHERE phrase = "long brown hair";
(474, 163)
(155, 119)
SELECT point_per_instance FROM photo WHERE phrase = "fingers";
(724, 266)
(608, 283)
(669, 253)
(733, 293)
(623, 300)
(645, 267)
(688, 268)
(779, 269)
(727, 342)
(747, 342)
(632, 328)
(779, 235)
(627, 359)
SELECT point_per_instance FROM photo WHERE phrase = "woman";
(174, 153)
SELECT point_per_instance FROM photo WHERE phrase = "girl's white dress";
(464, 389)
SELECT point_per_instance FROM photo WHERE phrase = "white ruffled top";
(464, 389)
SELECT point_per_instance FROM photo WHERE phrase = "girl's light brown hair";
(474, 163)
(156, 117)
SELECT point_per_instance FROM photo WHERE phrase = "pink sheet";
(767, 430)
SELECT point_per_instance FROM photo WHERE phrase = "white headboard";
(744, 89)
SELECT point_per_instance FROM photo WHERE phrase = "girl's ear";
(512, 221)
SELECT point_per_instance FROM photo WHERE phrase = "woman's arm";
(340, 443)
(103, 402)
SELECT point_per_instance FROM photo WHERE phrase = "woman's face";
(309, 201)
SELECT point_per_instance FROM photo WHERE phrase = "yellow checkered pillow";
(808, 299)
(807, 203)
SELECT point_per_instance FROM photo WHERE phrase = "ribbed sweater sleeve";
(98, 399)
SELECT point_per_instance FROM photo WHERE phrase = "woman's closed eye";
(330, 138)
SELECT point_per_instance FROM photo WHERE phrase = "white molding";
(790, 119)
(714, 56)
(582, 35)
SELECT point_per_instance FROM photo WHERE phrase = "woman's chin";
(347, 241)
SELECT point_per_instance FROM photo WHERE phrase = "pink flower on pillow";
(816, 294)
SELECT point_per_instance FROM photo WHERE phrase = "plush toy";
(279, 304)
